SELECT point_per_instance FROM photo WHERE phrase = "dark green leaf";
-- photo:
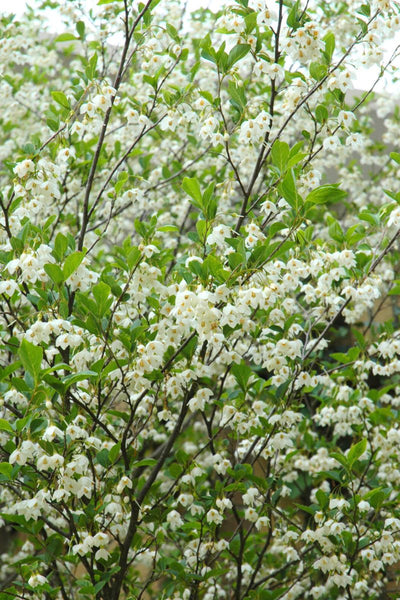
(31, 357)
(237, 52)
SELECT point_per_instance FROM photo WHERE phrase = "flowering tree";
(199, 356)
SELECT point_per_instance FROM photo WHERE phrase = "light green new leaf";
(326, 193)
(356, 451)
(5, 426)
(395, 156)
(61, 99)
(66, 37)
(191, 186)
(54, 272)
(6, 470)
(280, 154)
(71, 263)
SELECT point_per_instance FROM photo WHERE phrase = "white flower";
(89, 108)
(174, 520)
(101, 553)
(100, 539)
(199, 399)
(149, 250)
(346, 118)
(250, 514)
(355, 140)
(364, 506)
(262, 523)
(102, 102)
(223, 503)
(213, 516)
(394, 218)
(123, 483)
(51, 433)
(8, 286)
(18, 457)
(185, 499)
(36, 580)
(43, 464)
(66, 153)
(23, 168)
(250, 496)
(218, 235)
(331, 142)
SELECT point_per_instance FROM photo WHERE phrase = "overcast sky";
(363, 80)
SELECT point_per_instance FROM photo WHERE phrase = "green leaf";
(6, 371)
(293, 19)
(201, 228)
(61, 99)
(395, 156)
(91, 68)
(31, 357)
(146, 462)
(356, 451)
(114, 452)
(287, 188)
(340, 458)
(70, 380)
(71, 263)
(321, 113)
(6, 469)
(133, 256)
(376, 496)
(242, 374)
(54, 272)
(280, 154)
(296, 158)
(191, 186)
(237, 52)
(66, 37)
(166, 228)
(122, 179)
(317, 71)
(329, 40)
(335, 231)
(323, 499)
(394, 291)
(237, 96)
(349, 543)
(326, 193)
(55, 383)
(102, 292)
(102, 458)
(5, 426)
(80, 28)
(52, 124)
(60, 246)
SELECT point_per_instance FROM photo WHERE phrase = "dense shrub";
(199, 336)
